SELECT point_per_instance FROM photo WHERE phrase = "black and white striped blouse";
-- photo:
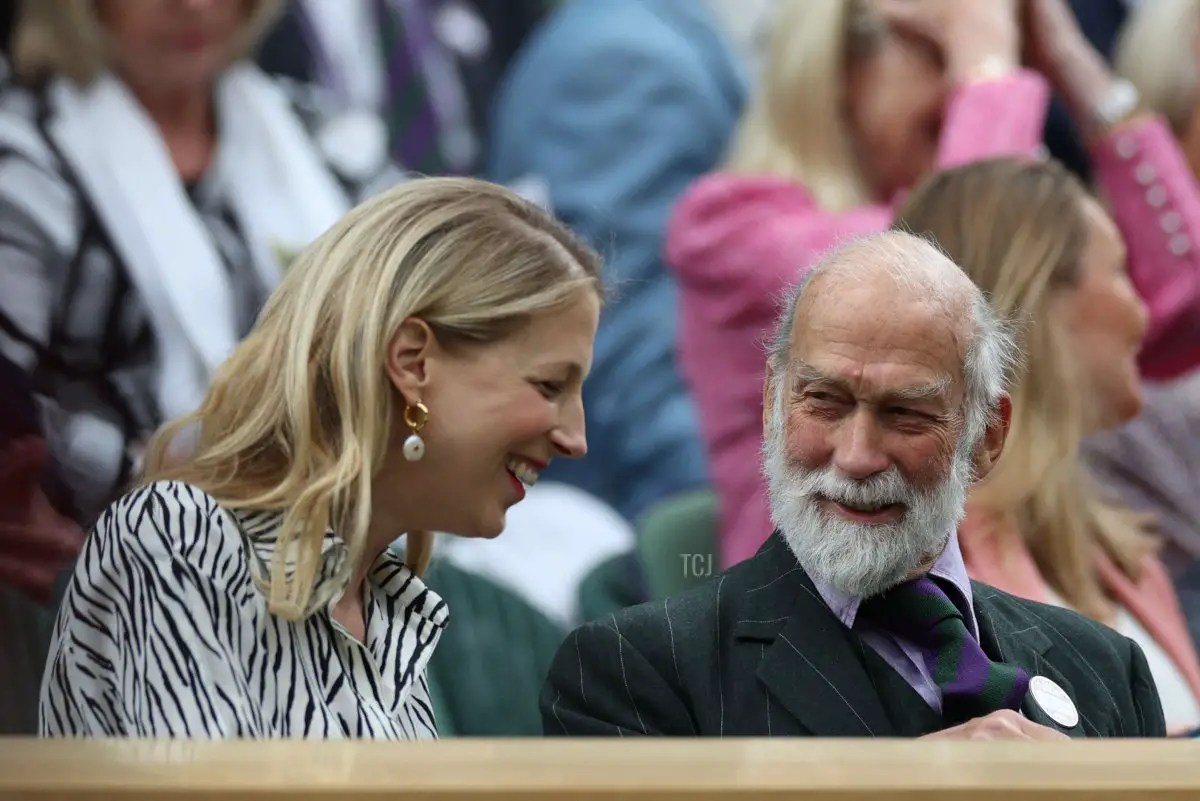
(164, 633)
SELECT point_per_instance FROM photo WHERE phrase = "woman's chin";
(1120, 408)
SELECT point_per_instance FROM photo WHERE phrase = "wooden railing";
(613, 770)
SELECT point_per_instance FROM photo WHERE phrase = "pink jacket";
(1000, 558)
(737, 243)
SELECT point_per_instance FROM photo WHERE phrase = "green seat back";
(677, 542)
(491, 660)
(611, 585)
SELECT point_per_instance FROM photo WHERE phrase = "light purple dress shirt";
(906, 658)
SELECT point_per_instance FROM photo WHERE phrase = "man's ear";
(988, 451)
(408, 354)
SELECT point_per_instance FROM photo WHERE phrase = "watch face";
(1120, 101)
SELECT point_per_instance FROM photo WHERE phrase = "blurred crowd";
(162, 160)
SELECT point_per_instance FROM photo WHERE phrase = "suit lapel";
(911, 715)
(1025, 645)
(814, 666)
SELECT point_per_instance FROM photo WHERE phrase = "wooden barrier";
(613, 770)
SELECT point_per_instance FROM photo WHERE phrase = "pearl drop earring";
(414, 446)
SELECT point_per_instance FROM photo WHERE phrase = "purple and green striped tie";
(412, 121)
(972, 685)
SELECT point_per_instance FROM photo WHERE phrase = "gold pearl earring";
(415, 417)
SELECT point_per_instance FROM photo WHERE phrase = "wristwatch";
(1118, 104)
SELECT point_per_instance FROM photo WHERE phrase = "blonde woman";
(153, 185)
(415, 370)
(1158, 50)
(1046, 253)
(824, 150)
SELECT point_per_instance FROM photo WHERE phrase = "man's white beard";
(861, 559)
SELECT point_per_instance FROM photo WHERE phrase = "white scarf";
(267, 166)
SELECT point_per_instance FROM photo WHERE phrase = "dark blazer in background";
(1100, 21)
(285, 52)
(756, 652)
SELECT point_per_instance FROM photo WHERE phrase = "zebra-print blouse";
(164, 633)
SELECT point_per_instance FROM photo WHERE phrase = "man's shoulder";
(1080, 636)
(692, 615)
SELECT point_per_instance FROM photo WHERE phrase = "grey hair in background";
(992, 352)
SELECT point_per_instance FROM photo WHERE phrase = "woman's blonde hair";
(795, 124)
(65, 38)
(299, 419)
(1019, 231)
(1156, 52)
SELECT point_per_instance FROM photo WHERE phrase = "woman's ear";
(408, 354)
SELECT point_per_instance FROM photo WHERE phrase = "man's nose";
(858, 452)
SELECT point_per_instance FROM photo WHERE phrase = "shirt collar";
(949, 567)
(389, 575)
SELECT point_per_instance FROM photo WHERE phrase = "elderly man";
(884, 400)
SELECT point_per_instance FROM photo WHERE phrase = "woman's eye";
(550, 389)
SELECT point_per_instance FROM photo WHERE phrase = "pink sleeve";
(994, 118)
(758, 237)
(1156, 203)
(780, 230)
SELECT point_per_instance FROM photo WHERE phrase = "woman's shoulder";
(721, 209)
(34, 181)
(720, 189)
(171, 518)
(25, 113)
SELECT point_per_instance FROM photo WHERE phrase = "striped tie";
(972, 685)
(412, 121)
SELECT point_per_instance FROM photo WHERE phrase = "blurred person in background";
(430, 68)
(154, 186)
(36, 542)
(929, 84)
(613, 107)
(414, 371)
(1100, 22)
(1159, 52)
(1153, 464)
(1045, 253)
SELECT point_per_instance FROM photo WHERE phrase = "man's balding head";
(884, 400)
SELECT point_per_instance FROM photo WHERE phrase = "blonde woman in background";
(858, 101)
(416, 369)
(154, 184)
(1046, 253)
(1158, 50)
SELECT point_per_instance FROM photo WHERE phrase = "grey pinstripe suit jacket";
(756, 652)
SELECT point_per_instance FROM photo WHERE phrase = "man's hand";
(1002, 725)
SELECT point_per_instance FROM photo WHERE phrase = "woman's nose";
(570, 442)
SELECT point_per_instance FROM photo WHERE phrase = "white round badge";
(1054, 701)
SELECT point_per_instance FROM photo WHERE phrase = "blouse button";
(1156, 196)
(1180, 245)
(1170, 222)
(1145, 174)
(1127, 147)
